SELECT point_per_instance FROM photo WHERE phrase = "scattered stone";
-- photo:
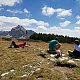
(39, 49)
(37, 69)
(42, 60)
(63, 55)
(48, 58)
(12, 70)
(42, 51)
(30, 66)
(26, 65)
(52, 60)
(38, 64)
(4, 74)
(47, 63)
(70, 61)
(7, 72)
(32, 71)
(24, 75)
(63, 58)
(77, 59)
(72, 64)
(52, 55)
(34, 67)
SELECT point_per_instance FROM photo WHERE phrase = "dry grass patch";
(27, 64)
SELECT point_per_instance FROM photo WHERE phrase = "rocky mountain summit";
(17, 32)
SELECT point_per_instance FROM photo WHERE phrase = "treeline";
(48, 37)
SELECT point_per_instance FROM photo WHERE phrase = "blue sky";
(45, 16)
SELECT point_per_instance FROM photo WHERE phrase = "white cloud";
(60, 31)
(62, 18)
(14, 21)
(78, 22)
(59, 10)
(41, 28)
(26, 11)
(42, 23)
(14, 11)
(48, 11)
(9, 2)
(78, 17)
(64, 13)
(65, 24)
(77, 28)
(4, 28)
(68, 32)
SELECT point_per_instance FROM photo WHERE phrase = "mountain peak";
(19, 28)
(18, 32)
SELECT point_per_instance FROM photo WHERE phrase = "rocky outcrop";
(18, 32)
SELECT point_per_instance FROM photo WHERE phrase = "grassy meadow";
(27, 63)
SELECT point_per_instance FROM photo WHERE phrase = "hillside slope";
(29, 64)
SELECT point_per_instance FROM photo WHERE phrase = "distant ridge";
(17, 32)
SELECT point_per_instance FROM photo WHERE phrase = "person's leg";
(73, 54)
(58, 53)
(14, 45)
(51, 51)
(70, 53)
(76, 54)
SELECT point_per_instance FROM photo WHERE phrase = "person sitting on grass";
(20, 44)
(76, 52)
(54, 46)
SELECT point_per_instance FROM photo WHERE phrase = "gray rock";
(17, 32)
